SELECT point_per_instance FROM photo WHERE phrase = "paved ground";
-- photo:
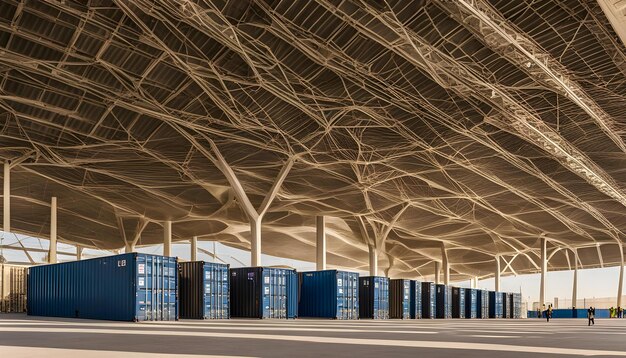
(23, 336)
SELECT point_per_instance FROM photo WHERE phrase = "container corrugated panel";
(482, 298)
(495, 305)
(127, 287)
(458, 302)
(263, 292)
(13, 288)
(444, 301)
(429, 300)
(400, 299)
(416, 299)
(516, 305)
(471, 303)
(374, 297)
(328, 294)
(203, 290)
(506, 313)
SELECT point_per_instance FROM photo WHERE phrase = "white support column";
(575, 283)
(255, 242)
(52, 250)
(215, 251)
(544, 270)
(620, 284)
(373, 261)
(129, 247)
(437, 272)
(194, 248)
(497, 276)
(446, 265)
(475, 282)
(320, 243)
(79, 252)
(6, 196)
(167, 238)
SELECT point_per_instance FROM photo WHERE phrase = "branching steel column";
(373, 261)
(52, 250)
(497, 276)
(320, 244)
(194, 249)
(544, 270)
(79, 252)
(167, 238)
(6, 198)
(575, 283)
(437, 272)
(446, 265)
(620, 284)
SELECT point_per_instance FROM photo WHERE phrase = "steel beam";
(320, 243)
(620, 284)
(437, 272)
(446, 265)
(6, 198)
(544, 270)
(194, 249)
(52, 250)
(497, 276)
(575, 283)
(373, 261)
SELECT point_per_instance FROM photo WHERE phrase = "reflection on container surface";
(495, 304)
(203, 289)
(400, 298)
(458, 302)
(12, 288)
(444, 301)
(471, 303)
(429, 300)
(374, 297)
(329, 294)
(127, 287)
(416, 299)
(263, 292)
(482, 304)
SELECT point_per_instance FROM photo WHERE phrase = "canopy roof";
(478, 125)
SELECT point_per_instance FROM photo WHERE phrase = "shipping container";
(263, 292)
(400, 299)
(471, 303)
(458, 302)
(506, 312)
(12, 288)
(328, 294)
(429, 300)
(416, 299)
(444, 301)
(515, 304)
(482, 298)
(203, 290)
(127, 287)
(495, 305)
(374, 297)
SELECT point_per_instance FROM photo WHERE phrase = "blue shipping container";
(458, 302)
(416, 299)
(495, 304)
(127, 287)
(203, 290)
(482, 304)
(429, 300)
(374, 297)
(329, 294)
(444, 301)
(471, 303)
(263, 292)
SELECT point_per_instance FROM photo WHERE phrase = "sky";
(592, 283)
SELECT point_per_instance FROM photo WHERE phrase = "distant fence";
(571, 313)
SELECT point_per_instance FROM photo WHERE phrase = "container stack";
(263, 292)
(127, 287)
(458, 302)
(12, 288)
(329, 294)
(444, 301)
(429, 300)
(482, 304)
(374, 297)
(416, 299)
(400, 299)
(203, 290)
(516, 305)
(495, 305)
(471, 303)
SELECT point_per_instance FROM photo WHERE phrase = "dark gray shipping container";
(471, 303)
(400, 299)
(416, 299)
(429, 300)
(444, 301)
(458, 302)
(263, 292)
(203, 290)
(374, 297)
(506, 313)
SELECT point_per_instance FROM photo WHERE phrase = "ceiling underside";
(482, 125)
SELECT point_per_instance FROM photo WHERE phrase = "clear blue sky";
(591, 283)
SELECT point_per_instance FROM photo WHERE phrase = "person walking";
(548, 313)
(539, 312)
(591, 316)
